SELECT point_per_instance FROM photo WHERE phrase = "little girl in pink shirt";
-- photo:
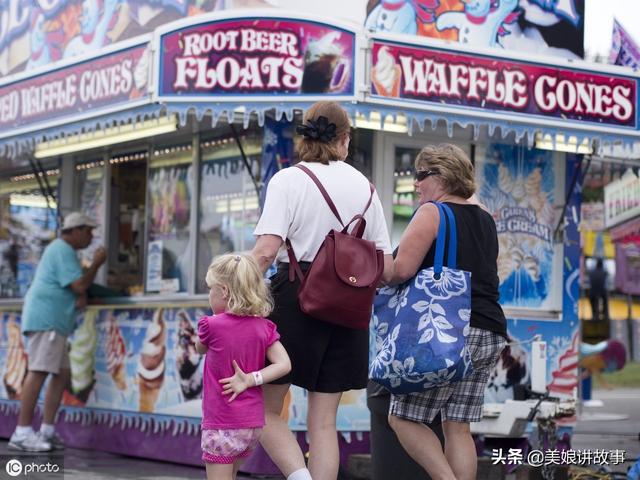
(236, 340)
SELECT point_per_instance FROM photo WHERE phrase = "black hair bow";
(320, 129)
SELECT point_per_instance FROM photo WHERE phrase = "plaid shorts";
(461, 401)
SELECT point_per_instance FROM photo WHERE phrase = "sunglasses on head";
(420, 175)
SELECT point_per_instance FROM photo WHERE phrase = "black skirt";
(325, 357)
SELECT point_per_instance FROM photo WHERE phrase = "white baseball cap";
(77, 219)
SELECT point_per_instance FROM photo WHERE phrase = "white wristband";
(257, 378)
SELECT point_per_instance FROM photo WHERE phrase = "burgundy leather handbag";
(341, 282)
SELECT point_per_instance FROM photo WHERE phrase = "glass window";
(229, 207)
(361, 151)
(404, 198)
(126, 222)
(27, 224)
(169, 215)
(91, 199)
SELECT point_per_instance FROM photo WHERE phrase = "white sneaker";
(54, 440)
(29, 443)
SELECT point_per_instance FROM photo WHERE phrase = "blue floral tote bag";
(421, 326)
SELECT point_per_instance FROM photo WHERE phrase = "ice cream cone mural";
(386, 74)
(141, 75)
(15, 369)
(151, 366)
(565, 376)
(82, 357)
(286, 404)
(116, 353)
(187, 359)
(518, 187)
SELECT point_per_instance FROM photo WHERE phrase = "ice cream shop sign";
(254, 56)
(115, 80)
(425, 74)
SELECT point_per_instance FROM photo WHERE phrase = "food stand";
(166, 149)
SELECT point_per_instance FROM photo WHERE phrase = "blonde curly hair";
(240, 274)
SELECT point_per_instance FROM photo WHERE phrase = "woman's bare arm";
(415, 243)
(265, 250)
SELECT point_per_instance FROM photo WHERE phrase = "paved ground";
(615, 425)
(90, 465)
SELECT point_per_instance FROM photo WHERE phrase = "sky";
(599, 23)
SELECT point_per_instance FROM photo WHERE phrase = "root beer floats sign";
(116, 80)
(261, 56)
(425, 74)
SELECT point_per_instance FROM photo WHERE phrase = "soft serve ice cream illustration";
(141, 74)
(82, 357)
(385, 75)
(15, 369)
(151, 366)
(116, 353)
(187, 359)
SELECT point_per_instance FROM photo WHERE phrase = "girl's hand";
(238, 383)
(200, 347)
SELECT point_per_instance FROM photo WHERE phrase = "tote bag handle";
(447, 223)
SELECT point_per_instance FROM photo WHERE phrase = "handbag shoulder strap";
(294, 267)
(327, 198)
(453, 237)
(447, 223)
(324, 193)
(373, 189)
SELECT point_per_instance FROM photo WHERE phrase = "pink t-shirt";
(245, 340)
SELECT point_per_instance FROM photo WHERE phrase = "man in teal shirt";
(48, 318)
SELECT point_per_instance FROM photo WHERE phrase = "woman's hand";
(238, 383)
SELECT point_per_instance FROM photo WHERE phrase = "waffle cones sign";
(425, 74)
(113, 81)
(265, 56)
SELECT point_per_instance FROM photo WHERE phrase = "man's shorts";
(48, 351)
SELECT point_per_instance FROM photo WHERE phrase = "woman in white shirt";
(326, 359)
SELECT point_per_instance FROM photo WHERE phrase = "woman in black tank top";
(445, 174)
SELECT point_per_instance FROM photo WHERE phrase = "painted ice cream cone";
(187, 358)
(386, 74)
(286, 404)
(15, 369)
(565, 377)
(350, 397)
(116, 353)
(387, 89)
(141, 75)
(148, 396)
(151, 366)
(82, 357)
